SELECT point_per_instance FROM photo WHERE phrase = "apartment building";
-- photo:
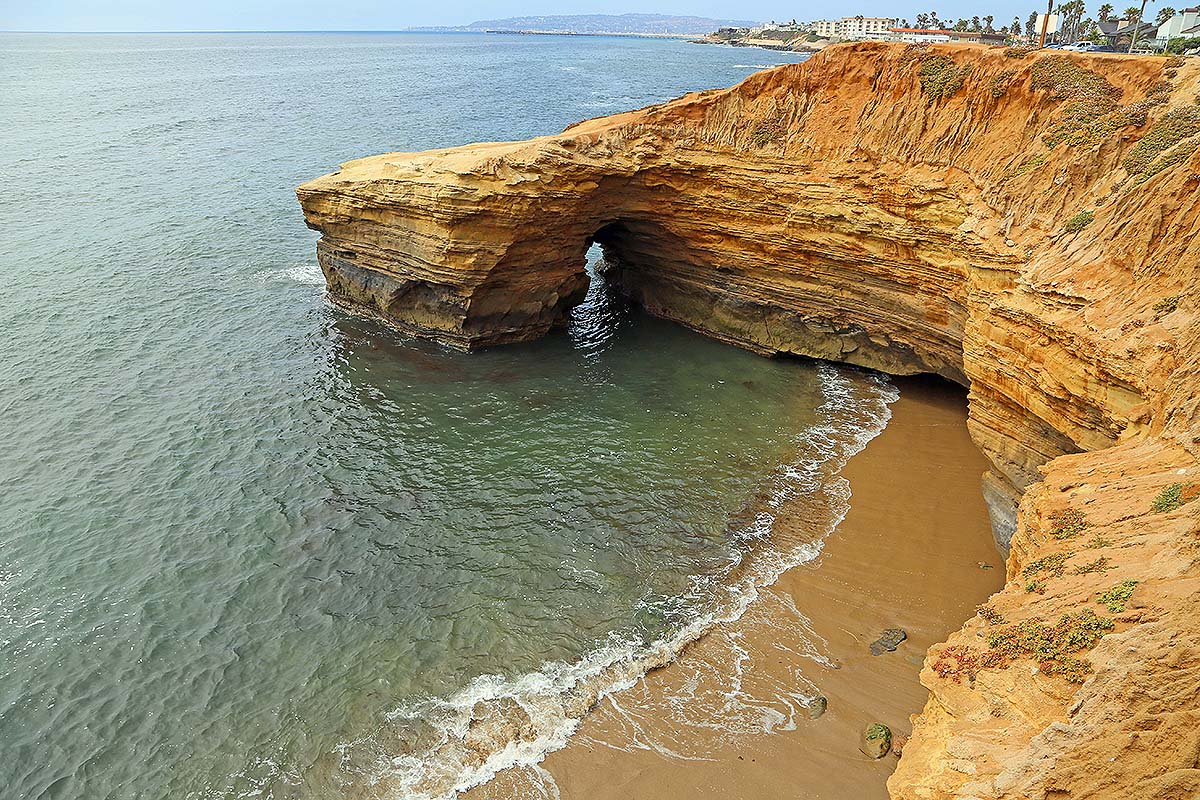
(1185, 24)
(858, 27)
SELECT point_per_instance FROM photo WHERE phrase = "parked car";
(1082, 46)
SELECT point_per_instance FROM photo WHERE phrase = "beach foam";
(496, 723)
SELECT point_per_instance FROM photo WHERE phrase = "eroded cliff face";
(1022, 224)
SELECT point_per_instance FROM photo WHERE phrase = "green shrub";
(1168, 499)
(940, 76)
(1180, 44)
(766, 132)
(1053, 646)
(1080, 221)
(1116, 597)
(1167, 305)
(1066, 80)
(1069, 522)
(1086, 122)
(771, 127)
(1026, 166)
(1175, 155)
(990, 615)
(762, 136)
(1092, 113)
(1175, 126)
(1001, 81)
(1053, 565)
(1099, 565)
(962, 661)
(1159, 87)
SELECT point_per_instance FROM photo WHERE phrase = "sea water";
(253, 547)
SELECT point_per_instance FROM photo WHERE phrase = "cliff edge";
(1023, 224)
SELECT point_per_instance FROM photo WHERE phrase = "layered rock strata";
(1024, 225)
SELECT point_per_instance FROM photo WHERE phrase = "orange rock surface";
(1025, 225)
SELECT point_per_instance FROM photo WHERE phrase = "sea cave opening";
(606, 307)
(604, 310)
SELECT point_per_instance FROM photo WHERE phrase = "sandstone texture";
(1023, 224)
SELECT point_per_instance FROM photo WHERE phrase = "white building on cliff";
(858, 27)
(1185, 24)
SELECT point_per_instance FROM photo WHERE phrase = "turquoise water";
(252, 547)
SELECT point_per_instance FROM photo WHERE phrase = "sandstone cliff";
(1022, 224)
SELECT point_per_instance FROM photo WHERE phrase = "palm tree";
(974, 23)
(987, 23)
(1015, 28)
(1072, 18)
(1164, 14)
(922, 20)
(1129, 13)
(1106, 12)
(1137, 26)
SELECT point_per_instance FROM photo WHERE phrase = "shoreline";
(728, 718)
(761, 44)
(1080, 349)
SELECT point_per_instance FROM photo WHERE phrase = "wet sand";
(728, 720)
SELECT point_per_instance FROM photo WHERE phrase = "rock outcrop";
(1025, 225)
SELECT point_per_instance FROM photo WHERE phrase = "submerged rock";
(888, 641)
(876, 740)
(816, 706)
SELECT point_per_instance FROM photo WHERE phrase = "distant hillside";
(603, 23)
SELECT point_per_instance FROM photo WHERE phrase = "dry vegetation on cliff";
(1027, 226)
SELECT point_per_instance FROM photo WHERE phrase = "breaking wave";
(437, 747)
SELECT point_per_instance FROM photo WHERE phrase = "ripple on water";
(499, 723)
(252, 547)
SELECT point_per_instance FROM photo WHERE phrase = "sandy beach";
(729, 717)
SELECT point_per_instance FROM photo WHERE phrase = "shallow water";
(254, 547)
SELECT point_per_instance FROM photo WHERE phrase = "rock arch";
(911, 209)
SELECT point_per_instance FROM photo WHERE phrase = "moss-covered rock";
(876, 740)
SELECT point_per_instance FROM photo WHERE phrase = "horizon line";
(430, 28)
(417, 29)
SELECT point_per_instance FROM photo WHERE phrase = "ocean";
(254, 547)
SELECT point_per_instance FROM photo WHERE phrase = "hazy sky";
(137, 15)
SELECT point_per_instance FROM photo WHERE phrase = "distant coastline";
(503, 32)
(659, 26)
(766, 44)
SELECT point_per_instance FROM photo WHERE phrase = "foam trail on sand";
(496, 723)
